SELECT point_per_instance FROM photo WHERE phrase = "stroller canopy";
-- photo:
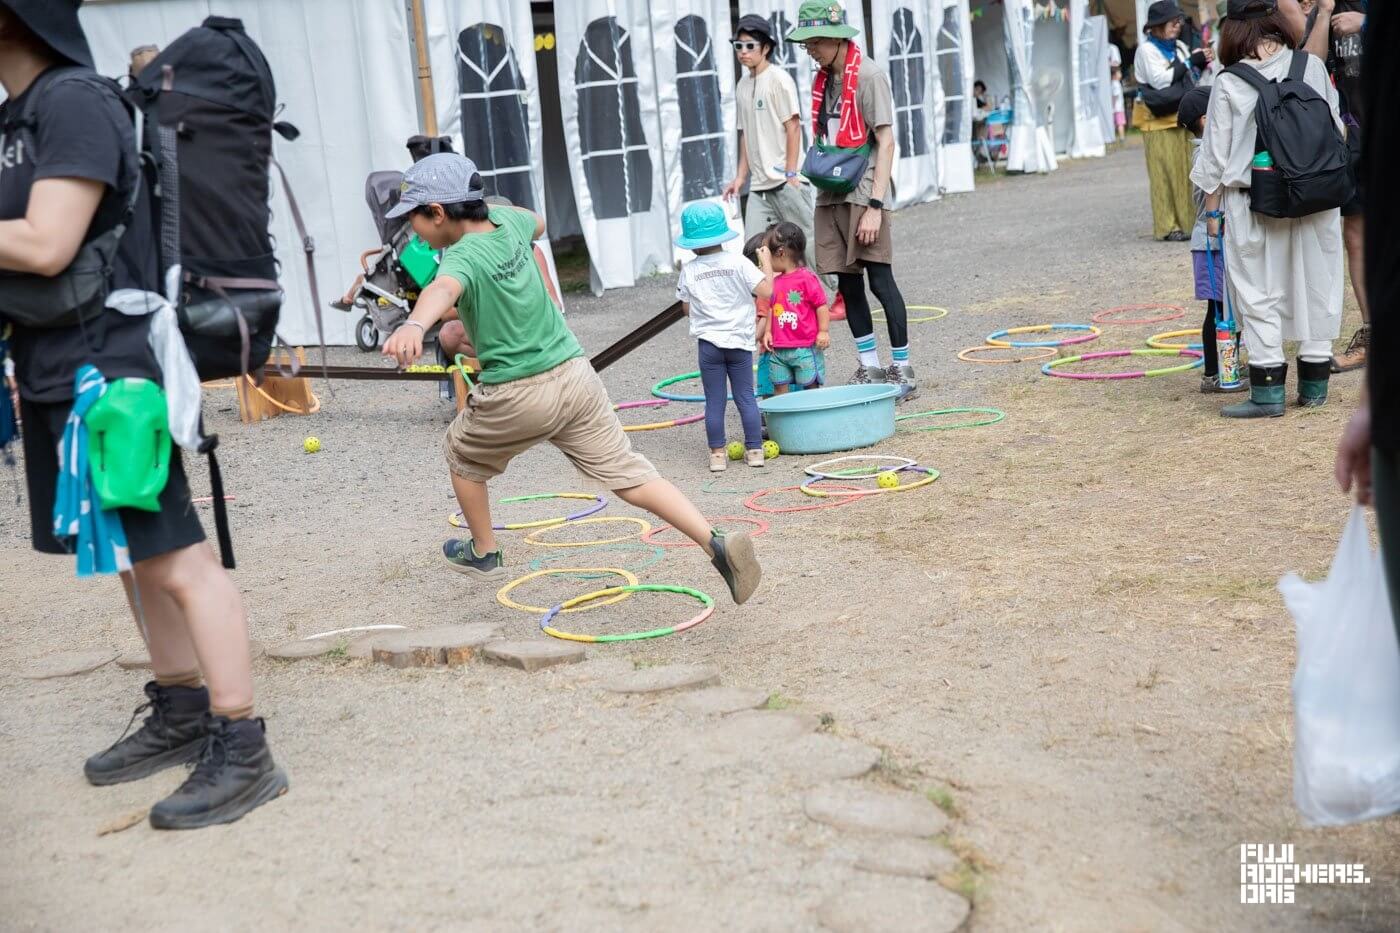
(381, 194)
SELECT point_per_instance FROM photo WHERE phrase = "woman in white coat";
(1284, 275)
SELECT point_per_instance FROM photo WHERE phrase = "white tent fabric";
(350, 107)
(695, 89)
(902, 39)
(1030, 148)
(954, 51)
(1091, 130)
(1052, 66)
(607, 94)
(782, 16)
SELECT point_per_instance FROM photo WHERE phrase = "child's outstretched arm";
(406, 343)
(764, 290)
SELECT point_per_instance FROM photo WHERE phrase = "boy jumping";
(535, 384)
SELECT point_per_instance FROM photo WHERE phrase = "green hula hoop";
(996, 415)
(659, 390)
(657, 553)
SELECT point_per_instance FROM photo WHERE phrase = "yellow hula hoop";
(1159, 341)
(503, 594)
(644, 527)
(1087, 332)
(824, 494)
(920, 319)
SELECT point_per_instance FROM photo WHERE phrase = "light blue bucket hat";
(704, 224)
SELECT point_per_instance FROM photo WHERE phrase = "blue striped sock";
(900, 354)
(865, 349)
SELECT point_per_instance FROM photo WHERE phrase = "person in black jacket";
(68, 170)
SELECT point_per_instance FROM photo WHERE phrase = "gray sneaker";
(867, 375)
(902, 375)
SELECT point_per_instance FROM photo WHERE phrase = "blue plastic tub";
(819, 421)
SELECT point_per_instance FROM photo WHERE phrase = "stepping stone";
(821, 758)
(666, 677)
(594, 669)
(362, 646)
(862, 808)
(909, 858)
(134, 659)
(533, 655)
(452, 645)
(720, 701)
(752, 736)
(893, 905)
(66, 664)
(299, 650)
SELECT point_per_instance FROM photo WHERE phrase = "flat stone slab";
(820, 758)
(893, 905)
(908, 858)
(533, 655)
(594, 669)
(66, 664)
(757, 729)
(720, 701)
(362, 645)
(134, 659)
(860, 807)
(300, 650)
(666, 677)
(445, 644)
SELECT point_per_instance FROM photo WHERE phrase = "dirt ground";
(1072, 642)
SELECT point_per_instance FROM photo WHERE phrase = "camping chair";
(996, 139)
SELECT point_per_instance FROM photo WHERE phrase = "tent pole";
(425, 69)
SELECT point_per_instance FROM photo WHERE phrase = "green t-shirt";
(512, 322)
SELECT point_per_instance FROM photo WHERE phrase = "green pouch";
(420, 261)
(128, 432)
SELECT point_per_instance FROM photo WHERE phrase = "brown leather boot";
(1355, 355)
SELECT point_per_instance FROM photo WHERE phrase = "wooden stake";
(425, 70)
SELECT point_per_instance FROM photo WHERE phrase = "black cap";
(1192, 107)
(56, 24)
(1163, 11)
(756, 26)
(1250, 9)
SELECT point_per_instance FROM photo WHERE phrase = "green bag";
(420, 261)
(835, 168)
(128, 431)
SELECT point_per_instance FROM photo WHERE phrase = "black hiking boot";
(235, 774)
(173, 734)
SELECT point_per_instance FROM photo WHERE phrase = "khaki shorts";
(566, 406)
(837, 247)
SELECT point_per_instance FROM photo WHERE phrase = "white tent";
(902, 40)
(1093, 107)
(782, 16)
(1053, 71)
(954, 51)
(1003, 43)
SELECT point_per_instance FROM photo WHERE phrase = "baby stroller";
(393, 272)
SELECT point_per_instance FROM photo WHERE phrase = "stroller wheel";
(366, 337)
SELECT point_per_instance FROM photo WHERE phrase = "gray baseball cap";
(444, 178)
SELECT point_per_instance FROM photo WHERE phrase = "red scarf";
(852, 132)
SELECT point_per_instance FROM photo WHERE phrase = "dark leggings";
(1385, 491)
(1208, 339)
(852, 288)
(719, 366)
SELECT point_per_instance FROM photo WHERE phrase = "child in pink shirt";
(798, 317)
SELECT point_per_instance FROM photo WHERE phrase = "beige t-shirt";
(875, 101)
(765, 104)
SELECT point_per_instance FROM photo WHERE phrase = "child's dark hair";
(462, 210)
(789, 238)
(752, 244)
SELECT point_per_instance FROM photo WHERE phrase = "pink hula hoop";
(1101, 317)
(1111, 354)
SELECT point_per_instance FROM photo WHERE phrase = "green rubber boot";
(1312, 383)
(1265, 394)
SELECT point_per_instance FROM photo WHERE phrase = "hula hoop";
(857, 473)
(503, 594)
(752, 501)
(457, 520)
(645, 526)
(1041, 353)
(644, 403)
(1198, 360)
(573, 604)
(903, 487)
(659, 390)
(1159, 341)
(353, 628)
(995, 340)
(1102, 317)
(655, 425)
(918, 319)
(997, 415)
(759, 527)
(656, 555)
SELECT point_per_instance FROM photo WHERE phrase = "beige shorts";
(566, 406)
(838, 250)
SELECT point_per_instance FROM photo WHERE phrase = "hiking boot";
(462, 557)
(754, 458)
(867, 375)
(1312, 383)
(1176, 236)
(1211, 384)
(235, 774)
(173, 734)
(902, 375)
(735, 560)
(1265, 394)
(1355, 356)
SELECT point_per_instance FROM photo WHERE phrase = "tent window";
(703, 165)
(616, 160)
(785, 57)
(495, 118)
(950, 67)
(908, 78)
(1088, 71)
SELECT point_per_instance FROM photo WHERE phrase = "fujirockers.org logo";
(1270, 875)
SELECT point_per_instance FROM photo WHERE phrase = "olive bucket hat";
(821, 19)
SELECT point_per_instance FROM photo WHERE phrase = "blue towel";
(94, 534)
(7, 407)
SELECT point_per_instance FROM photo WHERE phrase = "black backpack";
(209, 102)
(1311, 168)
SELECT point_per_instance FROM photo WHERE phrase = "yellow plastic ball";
(736, 450)
(311, 445)
(770, 449)
(887, 479)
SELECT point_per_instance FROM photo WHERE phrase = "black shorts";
(148, 534)
(1356, 206)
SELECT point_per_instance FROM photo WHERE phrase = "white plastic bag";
(1346, 690)
(178, 375)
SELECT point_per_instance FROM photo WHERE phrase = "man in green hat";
(853, 107)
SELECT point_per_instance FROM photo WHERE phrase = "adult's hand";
(795, 181)
(868, 231)
(1353, 466)
(731, 190)
(1348, 24)
(405, 345)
